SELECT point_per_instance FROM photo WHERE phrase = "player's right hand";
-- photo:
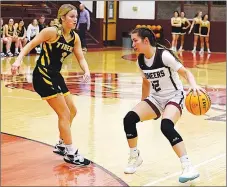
(15, 67)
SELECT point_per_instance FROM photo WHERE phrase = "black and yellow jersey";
(47, 79)
(10, 30)
(54, 53)
(204, 24)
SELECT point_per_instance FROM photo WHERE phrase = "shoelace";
(79, 156)
(131, 160)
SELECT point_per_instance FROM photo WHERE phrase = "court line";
(178, 173)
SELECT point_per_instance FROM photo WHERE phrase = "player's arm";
(145, 89)
(192, 25)
(145, 84)
(188, 24)
(208, 33)
(79, 55)
(47, 34)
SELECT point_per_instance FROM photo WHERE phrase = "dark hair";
(183, 12)
(204, 16)
(197, 14)
(176, 12)
(146, 32)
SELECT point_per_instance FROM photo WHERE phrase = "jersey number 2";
(155, 85)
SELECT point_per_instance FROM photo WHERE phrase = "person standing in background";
(83, 25)
(42, 24)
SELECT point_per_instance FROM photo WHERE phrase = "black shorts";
(48, 83)
(196, 29)
(176, 30)
(204, 31)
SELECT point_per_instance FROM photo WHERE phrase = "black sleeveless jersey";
(54, 53)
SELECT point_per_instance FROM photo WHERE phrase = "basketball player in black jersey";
(162, 92)
(57, 43)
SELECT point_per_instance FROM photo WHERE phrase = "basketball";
(157, 35)
(198, 104)
(159, 27)
(138, 26)
(153, 27)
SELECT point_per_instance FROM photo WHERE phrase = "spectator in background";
(32, 31)
(11, 36)
(83, 25)
(176, 29)
(196, 25)
(4, 40)
(204, 33)
(184, 22)
(42, 24)
(21, 33)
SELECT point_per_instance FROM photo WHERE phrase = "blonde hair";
(62, 11)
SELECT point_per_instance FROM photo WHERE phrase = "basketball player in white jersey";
(162, 92)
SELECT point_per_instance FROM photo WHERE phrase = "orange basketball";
(153, 27)
(149, 26)
(198, 104)
(138, 26)
(158, 27)
(157, 35)
(143, 26)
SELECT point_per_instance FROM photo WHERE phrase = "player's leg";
(195, 42)
(201, 44)
(171, 115)
(207, 44)
(59, 105)
(143, 111)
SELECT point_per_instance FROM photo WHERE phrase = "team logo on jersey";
(155, 75)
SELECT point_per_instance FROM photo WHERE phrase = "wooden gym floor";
(29, 126)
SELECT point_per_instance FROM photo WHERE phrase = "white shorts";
(159, 103)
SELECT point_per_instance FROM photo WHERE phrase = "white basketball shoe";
(189, 173)
(133, 163)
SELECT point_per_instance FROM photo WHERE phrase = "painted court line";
(178, 173)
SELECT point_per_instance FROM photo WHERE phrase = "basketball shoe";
(76, 159)
(133, 163)
(60, 148)
(189, 173)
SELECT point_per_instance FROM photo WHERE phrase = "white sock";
(133, 151)
(71, 150)
(184, 159)
(16, 50)
(194, 48)
(61, 141)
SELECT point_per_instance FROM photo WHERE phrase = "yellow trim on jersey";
(49, 97)
(46, 53)
(67, 93)
(50, 46)
(41, 71)
(43, 61)
(48, 82)
(69, 39)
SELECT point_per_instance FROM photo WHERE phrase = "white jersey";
(161, 72)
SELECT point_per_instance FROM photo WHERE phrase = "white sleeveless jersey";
(161, 72)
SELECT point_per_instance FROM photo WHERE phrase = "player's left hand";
(196, 89)
(86, 77)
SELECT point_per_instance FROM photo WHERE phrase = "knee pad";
(130, 121)
(167, 128)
